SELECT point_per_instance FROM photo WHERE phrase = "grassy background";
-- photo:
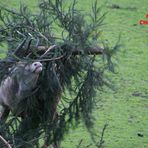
(126, 108)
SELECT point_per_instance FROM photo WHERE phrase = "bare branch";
(52, 59)
(50, 48)
(91, 51)
(5, 142)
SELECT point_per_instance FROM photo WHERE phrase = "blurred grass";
(126, 108)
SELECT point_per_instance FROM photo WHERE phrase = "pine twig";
(78, 146)
(100, 145)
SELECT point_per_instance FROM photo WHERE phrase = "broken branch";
(5, 142)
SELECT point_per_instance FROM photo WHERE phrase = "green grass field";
(125, 109)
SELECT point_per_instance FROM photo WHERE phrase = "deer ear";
(27, 67)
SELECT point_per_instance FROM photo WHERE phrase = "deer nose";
(37, 64)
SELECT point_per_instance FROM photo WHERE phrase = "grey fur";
(18, 86)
